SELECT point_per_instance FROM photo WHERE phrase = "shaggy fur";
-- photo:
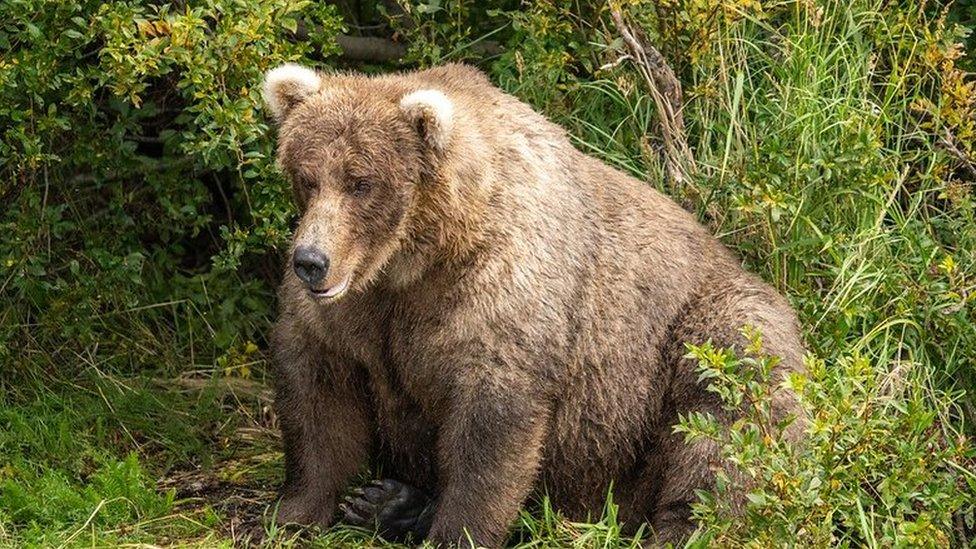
(516, 313)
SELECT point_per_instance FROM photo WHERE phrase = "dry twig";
(666, 92)
(948, 142)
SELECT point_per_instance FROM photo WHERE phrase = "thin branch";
(949, 143)
(369, 49)
(615, 64)
(666, 92)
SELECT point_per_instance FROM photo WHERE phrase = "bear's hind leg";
(686, 468)
(718, 316)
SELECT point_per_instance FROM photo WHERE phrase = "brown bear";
(482, 312)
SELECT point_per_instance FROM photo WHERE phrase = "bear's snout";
(310, 264)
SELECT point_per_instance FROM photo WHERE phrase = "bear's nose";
(310, 264)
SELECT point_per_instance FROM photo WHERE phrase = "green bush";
(880, 465)
(133, 152)
(835, 144)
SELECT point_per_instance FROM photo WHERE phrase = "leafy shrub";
(880, 465)
(134, 150)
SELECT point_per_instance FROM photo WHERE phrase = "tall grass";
(821, 166)
(819, 130)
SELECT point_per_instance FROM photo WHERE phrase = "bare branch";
(949, 144)
(616, 63)
(371, 49)
(666, 92)
(367, 48)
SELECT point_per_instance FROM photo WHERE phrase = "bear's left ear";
(431, 113)
(287, 86)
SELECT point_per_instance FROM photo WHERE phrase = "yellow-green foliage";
(880, 464)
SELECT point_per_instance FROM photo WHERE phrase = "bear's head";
(356, 149)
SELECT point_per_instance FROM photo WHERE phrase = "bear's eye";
(307, 183)
(361, 188)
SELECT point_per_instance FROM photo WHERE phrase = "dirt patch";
(243, 507)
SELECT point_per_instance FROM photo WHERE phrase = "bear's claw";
(396, 510)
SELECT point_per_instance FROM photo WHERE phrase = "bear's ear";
(431, 113)
(287, 86)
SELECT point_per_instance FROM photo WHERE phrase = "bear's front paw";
(396, 510)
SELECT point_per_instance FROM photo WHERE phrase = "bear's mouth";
(333, 292)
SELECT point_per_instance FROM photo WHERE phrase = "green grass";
(104, 461)
(138, 278)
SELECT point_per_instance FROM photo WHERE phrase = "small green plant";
(880, 464)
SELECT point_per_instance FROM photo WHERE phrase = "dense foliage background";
(143, 221)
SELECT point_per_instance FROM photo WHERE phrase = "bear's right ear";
(287, 86)
(431, 114)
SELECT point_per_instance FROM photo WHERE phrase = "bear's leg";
(718, 317)
(490, 450)
(325, 429)
(397, 511)
(687, 468)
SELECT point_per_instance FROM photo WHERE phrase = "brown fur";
(516, 317)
